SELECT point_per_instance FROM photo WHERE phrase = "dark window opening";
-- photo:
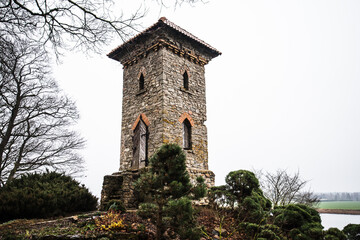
(186, 80)
(187, 134)
(141, 82)
(140, 146)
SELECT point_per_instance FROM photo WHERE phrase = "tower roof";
(167, 25)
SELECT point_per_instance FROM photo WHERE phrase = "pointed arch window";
(186, 134)
(186, 80)
(141, 82)
(140, 145)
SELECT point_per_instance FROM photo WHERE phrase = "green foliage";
(148, 211)
(241, 183)
(44, 195)
(242, 193)
(167, 175)
(255, 207)
(268, 235)
(256, 219)
(334, 234)
(298, 221)
(249, 230)
(294, 216)
(352, 231)
(181, 214)
(313, 230)
(199, 190)
(251, 208)
(219, 196)
(165, 190)
(116, 205)
(258, 231)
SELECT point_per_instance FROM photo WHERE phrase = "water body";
(338, 220)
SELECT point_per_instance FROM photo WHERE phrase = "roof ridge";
(172, 25)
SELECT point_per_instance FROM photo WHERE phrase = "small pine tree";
(165, 190)
(243, 194)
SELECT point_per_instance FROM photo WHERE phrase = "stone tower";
(163, 101)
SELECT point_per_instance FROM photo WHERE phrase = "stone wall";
(178, 101)
(119, 186)
(164, 101)
(208, 176)
(148, 101)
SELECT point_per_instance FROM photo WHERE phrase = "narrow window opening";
(141, 82)
(186, 81)
(187, 134)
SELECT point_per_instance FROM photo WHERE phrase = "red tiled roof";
(171, 25)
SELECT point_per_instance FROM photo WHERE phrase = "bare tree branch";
(36, 115)
(283, 188)
(87, 25)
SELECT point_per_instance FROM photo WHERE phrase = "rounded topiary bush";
(44, 195)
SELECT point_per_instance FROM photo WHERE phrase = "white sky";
(288, 81)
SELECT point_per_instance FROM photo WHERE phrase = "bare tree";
(35, 115)
(83, 23)
(307, 198)
(71, 24)
(283, 188)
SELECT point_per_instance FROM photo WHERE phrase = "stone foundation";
(119, 186)
(208, 175)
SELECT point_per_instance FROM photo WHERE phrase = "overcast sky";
(288, 80)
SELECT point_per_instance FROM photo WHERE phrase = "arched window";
(186, 80)
(186, 134)
(140, 145)
(141, 82)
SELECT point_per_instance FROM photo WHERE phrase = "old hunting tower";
(163, 102)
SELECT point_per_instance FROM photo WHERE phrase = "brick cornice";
(161, 43)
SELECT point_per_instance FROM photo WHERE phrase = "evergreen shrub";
(165, 194)
(352, 231)
(44, 195)
(334, 234)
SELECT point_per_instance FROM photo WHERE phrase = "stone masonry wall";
(177, 101)
(163, 101)
(119, 186)
(148, 101)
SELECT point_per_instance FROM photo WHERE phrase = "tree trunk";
(11, 124)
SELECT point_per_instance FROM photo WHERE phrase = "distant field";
(353, 205)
